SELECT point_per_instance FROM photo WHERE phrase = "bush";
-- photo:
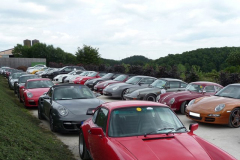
(23, 68)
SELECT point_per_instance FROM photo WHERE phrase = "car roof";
(64, 85)
(27, 75)
(125, 104)
(39, 79)
(144, 76)
(205, 83)
(172, 79)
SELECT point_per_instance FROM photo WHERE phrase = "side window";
(101, 119)
(183, 85)
(94, 116)
(217, 88)
(68, 69)
(147, 80)
(174, 84)
(209, 89)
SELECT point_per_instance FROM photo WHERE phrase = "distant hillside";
(206, 58)
(133, 60)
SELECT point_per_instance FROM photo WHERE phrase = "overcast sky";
(122, 28)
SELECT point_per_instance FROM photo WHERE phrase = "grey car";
(14, 78)
(119, 89)
(65, 106)
(156, 88)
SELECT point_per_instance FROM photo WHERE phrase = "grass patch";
(20, 135)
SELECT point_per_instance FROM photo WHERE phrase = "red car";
(33, 89)
(101, 85)
(178, 100)
(83, 79)
(142, 130)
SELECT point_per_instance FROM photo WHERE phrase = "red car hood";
(37, 92)
(180, 146)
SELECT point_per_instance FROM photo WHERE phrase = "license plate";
(194, 114)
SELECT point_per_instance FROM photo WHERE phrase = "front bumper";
(31, 102)
(222, 119)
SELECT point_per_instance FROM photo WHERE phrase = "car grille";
(32, 103)
(70, 125)
(208, 119)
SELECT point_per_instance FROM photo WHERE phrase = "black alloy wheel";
(234, 119)
(51, 123)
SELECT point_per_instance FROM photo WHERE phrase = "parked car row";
(135, 129)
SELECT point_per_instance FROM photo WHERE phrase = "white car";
(60, 78)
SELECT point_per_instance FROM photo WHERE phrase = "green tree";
(234, 57)
(88, 55)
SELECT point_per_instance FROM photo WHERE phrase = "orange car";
(222, 108)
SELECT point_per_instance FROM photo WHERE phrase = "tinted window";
(101, 119)
(209, 89)
(231, 91)
(133, 80)
(159, 83)
(25, 78)
(147, 80)
(39, 84)
(183, 85)
(174, 84)
(72, 92)
(120, 78)
(95, 116)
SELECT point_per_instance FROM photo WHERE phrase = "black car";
(159, 86)
(65, 106)
(109, 76)
(65, 70)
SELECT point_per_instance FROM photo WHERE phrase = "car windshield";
(230, 91)
(159, 83)
(133, 80)
(72, 92)
(109, 75)
(194, 88)
(120, 78)
(93, 74)
(16, 75)
(143, 120)
(25, 78)
(39, 84)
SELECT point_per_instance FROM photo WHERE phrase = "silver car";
(119, 89)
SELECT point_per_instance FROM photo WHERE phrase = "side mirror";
(46, 97)
(193, 127)
(90, 111)
(97, 131)
(204, 91)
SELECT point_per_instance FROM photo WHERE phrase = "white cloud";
(122, 28)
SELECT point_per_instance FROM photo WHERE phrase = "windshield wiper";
(161, 129)
(176, 130)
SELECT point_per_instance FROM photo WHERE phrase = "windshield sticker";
(139, 109)
(200, 86)
(149, 108)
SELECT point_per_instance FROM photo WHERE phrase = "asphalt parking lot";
(222, 136)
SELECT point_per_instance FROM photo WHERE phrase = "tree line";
(219, 65)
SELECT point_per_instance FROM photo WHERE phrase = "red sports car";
(119, 79)
(83, 79)
(33, 89)
(178, 100)
(141, 130)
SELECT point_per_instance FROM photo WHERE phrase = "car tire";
(24, 102)
(123, 93)
(150, 97)
(20, 100)
(51, 123)
(183, 107)
(82, 147)
(40, 116)
(234, 118)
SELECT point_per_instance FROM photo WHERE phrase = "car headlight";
(158, 98)
(62, 111)
(105, 84)
(191, 102)
(114, 88)
(29, 95)
(172, 101)
(219, 107)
